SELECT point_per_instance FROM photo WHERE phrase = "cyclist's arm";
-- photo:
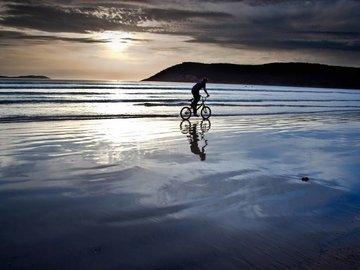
(206, 91)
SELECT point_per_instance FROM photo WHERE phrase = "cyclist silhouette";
(196, 93)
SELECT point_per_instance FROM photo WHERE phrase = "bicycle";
(205, 112)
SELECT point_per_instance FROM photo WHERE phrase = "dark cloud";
(6, 38)
(180, 15)
(53, 18)
(89, 17)
(289, 25)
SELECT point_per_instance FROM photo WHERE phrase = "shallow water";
(160, 193)
(39, 100)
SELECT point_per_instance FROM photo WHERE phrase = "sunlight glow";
(115, 41)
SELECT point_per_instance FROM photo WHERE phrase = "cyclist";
(196, 93)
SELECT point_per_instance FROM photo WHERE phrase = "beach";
(250, 192)
(179, 135)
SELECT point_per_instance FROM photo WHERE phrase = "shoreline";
(54, 118)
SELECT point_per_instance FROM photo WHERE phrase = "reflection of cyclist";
(194, 146)
(196, 93)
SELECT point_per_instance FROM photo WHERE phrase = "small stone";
(304, 178)
(95, 250)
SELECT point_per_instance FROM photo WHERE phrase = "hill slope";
(289, 74)
(26, 77)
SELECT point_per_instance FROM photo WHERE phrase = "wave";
(59, 86)
(148, 104)
(100, 87)
(26, 93)
(62, 101)
(44, 118)
(173, 102)
(40, 118)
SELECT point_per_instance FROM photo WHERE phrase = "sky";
(134, 39)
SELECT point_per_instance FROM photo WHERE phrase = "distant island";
(280, 74)
(26, 77)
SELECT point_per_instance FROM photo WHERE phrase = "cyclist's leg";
(195, 102)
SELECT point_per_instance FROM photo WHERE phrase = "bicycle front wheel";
(185, 113)
(205, 112)
(205, 125)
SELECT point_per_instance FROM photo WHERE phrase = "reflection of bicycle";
(185, 126)
(186, 111)
(196, 135)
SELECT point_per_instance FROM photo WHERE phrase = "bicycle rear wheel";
(185, 113)
(205, 112)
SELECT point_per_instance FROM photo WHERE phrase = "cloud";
(123, 15)
(249, 24)
(287, 25)
(56, 18)
(7, 36)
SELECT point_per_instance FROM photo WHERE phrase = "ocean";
(39, 100)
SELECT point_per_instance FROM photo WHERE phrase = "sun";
(115, 41)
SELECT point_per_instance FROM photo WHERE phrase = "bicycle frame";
(202, 99)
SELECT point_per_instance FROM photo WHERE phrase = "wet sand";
(165, 194)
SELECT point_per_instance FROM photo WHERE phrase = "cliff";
(286, 74)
